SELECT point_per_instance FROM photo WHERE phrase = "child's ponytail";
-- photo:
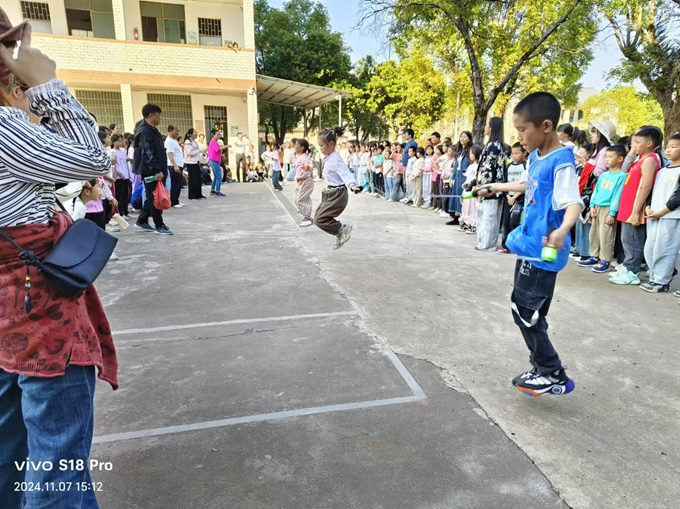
(332, 135)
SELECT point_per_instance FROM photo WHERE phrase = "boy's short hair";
(619, 149)
(420, 151)
(410, 132)
(538, 107)
(148, 109)
(675, 136)
(415, 149)
(517, 144)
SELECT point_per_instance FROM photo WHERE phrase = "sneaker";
(503, 250)
(113, 228)
(343, 236)
(590, 262)
(601, 267)
(443, 214)
(178, 206)
(113, 257)
(676, 294)
(556, 384)
(424, 206)
(524, 376)
(625, 277)
(472, 230)
(655, 287)
(164, 230)
(222, 195)
(145, 227)
(579, 259)
(306, 222)
(452, 222)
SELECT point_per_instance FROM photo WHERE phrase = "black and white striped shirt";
(34, 158)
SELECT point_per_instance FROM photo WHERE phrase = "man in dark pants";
(150, 162)
(175, 164)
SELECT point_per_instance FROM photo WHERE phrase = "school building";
(195, 59)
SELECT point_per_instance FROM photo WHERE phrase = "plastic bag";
(161, 197)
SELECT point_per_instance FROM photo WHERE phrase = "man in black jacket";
(149, 161)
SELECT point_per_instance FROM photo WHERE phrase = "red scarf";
(58, 331)
(585, 175)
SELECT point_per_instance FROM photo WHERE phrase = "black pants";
(446, 191)
(195, 192)
(505, 222)
(398, 184)
(98, 218)
(123, 192)
(531, 298)
(175, 184)
(148, 209)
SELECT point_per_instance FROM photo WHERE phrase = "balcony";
(88, 61)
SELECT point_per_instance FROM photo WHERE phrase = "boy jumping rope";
(552, 206)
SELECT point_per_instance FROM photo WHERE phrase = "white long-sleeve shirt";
(336, 172)
(34, 158)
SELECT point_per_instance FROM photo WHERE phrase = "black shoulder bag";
(75, 261)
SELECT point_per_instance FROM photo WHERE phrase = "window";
(215, 118)
(580, 115)
(90, 18)
(176, 111)
(571, 115)
(107, 107)
(163, 22)
(210, 32)
(38, 13)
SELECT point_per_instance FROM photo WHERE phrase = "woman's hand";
(31, 65)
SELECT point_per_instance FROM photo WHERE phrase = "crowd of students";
(629, 187)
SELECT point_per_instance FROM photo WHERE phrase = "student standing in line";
(388, 173)
(335, 197)
(417, 177)
(636, 191)
(515, 172)
(410, 167)
(428, 167)
(552, 206)
(449, 161)
(458, 178)
(123, 185)
(175, 164)
(604, 205)
(273, 156)
(468, 218)
(663, 225)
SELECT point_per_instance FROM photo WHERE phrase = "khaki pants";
(333, 202)
(602, 236)
(418, 191)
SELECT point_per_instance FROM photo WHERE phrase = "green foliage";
(646, 33)
(503, 49)
(297, 43)
(625, 107)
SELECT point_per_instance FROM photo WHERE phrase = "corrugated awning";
(293, 93)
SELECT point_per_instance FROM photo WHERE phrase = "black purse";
(75, 261)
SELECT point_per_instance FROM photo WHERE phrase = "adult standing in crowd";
(215, 159)
(460, 166)
(149, 161)
(175, 164)
(240, 146)
(47, 365)
(192, 154)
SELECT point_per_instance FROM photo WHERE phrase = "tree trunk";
(305, 125)
(478, 126)
(671, 116)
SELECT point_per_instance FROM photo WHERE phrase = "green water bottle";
(549, 254)
(467, 195)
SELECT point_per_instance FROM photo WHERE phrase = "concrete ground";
(257, 371)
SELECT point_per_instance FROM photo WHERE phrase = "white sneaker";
(178, 206)
(444, 214)
(113, 257)
(306, 222)
(343, 236)
(113, 228)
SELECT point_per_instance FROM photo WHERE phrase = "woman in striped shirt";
(50, 345)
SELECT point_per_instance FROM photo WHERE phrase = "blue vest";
(539, 214)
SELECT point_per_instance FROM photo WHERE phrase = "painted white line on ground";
(405, 374)
(275, 416)
(284, 208)
(232, 322)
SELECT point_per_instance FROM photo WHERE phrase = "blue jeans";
(217, 176)
(48, 420)
(582, 238)
(389, 187)
(290, 176)
(275, 179)
(661, 249)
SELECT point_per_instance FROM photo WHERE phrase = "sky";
(344, 15)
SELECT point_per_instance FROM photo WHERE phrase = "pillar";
(252, 116)
(248, 25)
(128, 112)
(119, 19)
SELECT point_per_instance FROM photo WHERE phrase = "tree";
(297, 43)
(643, 31)
(625, 107)
(410, 93)
(503, 47)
